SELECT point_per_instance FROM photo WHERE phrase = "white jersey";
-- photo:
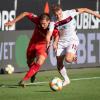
(67, 31)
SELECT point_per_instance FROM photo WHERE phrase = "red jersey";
(39, 34)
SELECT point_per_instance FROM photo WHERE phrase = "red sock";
(33, 69)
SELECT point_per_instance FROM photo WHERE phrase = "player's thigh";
(60, 52)
(41, 50)
(71, 52)
(41, 53)
(31, 54)
(31, 51)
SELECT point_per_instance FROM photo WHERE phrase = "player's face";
(58, 14)
(44, 23)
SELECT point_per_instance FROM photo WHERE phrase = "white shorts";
(70, 47)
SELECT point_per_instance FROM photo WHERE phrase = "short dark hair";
(55, 8)
(44, 16)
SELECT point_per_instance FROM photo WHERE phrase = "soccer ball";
(56, 84)
(9, 69)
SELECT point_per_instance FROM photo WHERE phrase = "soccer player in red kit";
(37, 48)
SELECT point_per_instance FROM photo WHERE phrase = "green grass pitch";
(85, 85)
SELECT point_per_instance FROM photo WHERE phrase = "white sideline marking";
(88, 78)
(74, 79)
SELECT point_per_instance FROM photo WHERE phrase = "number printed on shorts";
(74, 47)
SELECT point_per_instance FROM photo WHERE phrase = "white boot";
(65, 76)
(66, 82)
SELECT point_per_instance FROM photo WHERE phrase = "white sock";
(63, 73)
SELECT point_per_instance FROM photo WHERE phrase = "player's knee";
(69, 59)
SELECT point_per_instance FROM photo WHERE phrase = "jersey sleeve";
(55, 33)
(72, 12)
(51, 26)
(34, 18)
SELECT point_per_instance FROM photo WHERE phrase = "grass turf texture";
(78, 90)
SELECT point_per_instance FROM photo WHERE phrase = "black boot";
(33, 78)
(22, 83)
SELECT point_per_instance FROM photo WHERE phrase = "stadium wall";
(14, 40)
(13, 45)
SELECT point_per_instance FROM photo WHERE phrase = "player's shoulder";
(52, 24)
(69, 10)
(72, 12)
(34, 18)
(30, 14)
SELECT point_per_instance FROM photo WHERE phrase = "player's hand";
(10, 23)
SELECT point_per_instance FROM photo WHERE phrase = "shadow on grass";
(9, 86)
(45, 91)
(17, 86)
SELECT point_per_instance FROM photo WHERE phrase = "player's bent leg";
(62, 70)
(33, 70)
(71, 51)
(75, 58)
(31, 54)
(40, 61)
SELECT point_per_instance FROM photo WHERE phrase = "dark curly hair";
(45, 16)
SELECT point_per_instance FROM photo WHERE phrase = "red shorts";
(34, 50)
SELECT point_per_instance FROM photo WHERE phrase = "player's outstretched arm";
(21, 16)
(82, 10)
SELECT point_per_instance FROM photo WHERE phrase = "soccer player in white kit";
(67, 44)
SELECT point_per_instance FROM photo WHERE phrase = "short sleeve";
(34, 18)
(55, 33)
(51, 26)
(72, 12)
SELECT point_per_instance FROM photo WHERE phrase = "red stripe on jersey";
(67, 20)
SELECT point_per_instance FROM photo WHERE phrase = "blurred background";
(14, 40)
